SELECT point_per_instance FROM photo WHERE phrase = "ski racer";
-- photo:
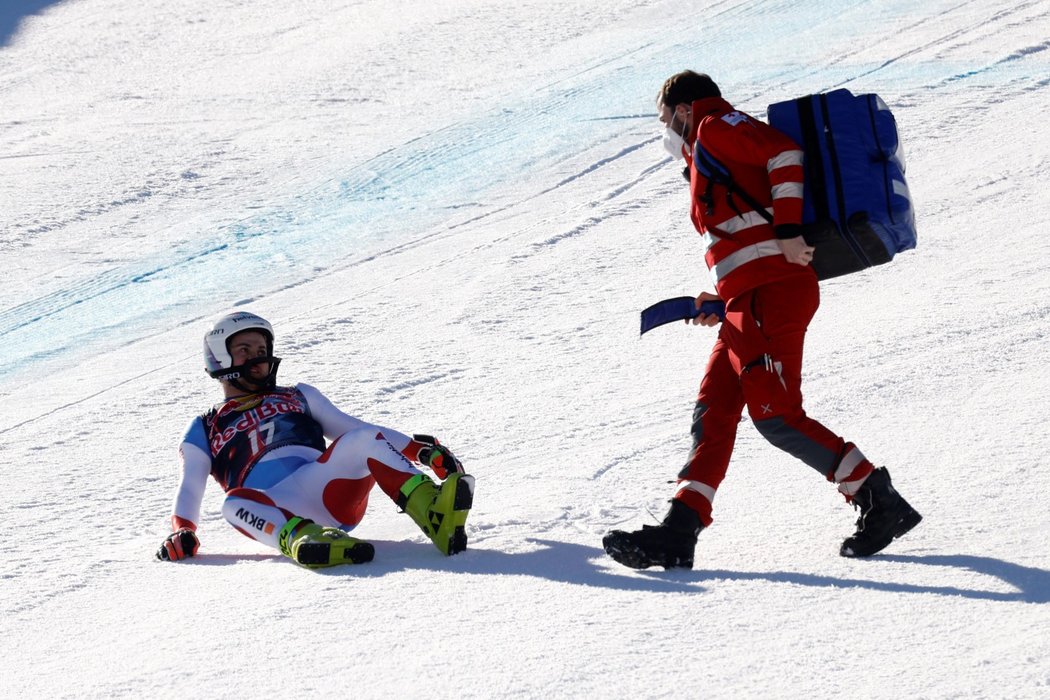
(762, 272)
(266, 447)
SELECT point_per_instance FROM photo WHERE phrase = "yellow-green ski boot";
(440, 512)
(307, 543)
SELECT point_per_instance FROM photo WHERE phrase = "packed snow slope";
(453, 213)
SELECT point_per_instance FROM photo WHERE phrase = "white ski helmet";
(218, 362)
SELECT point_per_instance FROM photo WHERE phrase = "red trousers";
(757, 362)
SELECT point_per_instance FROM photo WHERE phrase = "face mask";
(674, 142)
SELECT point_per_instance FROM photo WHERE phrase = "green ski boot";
(307, 543)
(440, 512)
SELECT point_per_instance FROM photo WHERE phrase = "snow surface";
(453, 213)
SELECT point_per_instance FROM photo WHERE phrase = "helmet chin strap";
(233, 375)
(252, 390)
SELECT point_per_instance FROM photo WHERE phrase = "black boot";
(669, 544)
(884, 515)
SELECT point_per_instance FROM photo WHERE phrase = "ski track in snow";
(479, 278)
(414, 174)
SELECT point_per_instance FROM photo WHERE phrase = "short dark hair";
(686, 87)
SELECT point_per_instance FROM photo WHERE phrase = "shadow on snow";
(589, 566)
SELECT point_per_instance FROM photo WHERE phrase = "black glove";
(179, 545)
(438, 457)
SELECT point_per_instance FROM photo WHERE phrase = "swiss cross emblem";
(734, 118)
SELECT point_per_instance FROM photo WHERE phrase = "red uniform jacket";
(742, 252)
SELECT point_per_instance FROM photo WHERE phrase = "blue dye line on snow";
(396, 195)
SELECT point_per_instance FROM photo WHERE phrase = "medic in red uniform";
(761, 271)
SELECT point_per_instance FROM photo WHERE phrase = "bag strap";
(718, 174)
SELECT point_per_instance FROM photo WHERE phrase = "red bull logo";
(251, 419)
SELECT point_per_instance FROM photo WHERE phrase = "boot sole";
(634, 557)
(319, 554)
(451, 536)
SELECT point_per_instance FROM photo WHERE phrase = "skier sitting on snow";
(265, 445)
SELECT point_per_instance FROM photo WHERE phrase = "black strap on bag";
(718, 174)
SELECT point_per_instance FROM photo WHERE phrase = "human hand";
(181, 544)
(796, 250)
(436, 456)
(705, 319)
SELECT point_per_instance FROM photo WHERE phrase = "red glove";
(181, 544)
(438, 457)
